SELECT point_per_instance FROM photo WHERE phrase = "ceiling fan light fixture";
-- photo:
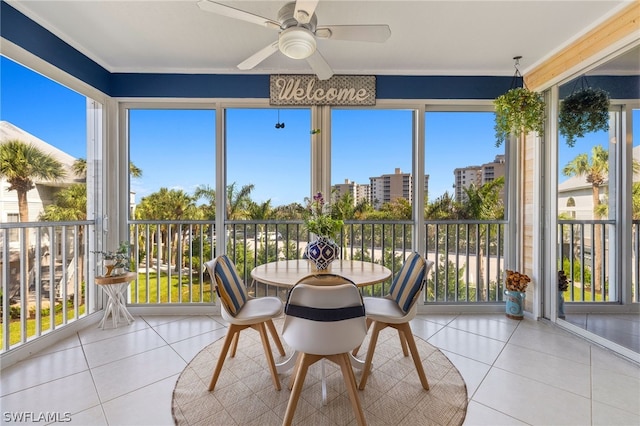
(297, 43)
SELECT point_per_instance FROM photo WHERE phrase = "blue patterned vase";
(514, 305)
(322, 252)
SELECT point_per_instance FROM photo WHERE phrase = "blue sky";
(176, 149)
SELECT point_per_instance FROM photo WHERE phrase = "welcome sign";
(345, 90)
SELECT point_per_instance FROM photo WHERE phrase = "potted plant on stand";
(563, 285)
(516, 285)
(319, 221)
(116, 262)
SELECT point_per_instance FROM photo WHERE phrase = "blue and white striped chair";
(396, 310)
(241, 312)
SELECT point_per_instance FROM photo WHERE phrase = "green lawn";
(162, 285)
(15, 331)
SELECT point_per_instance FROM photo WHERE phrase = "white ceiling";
(446, 37)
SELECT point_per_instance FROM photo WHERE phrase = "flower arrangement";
(318, 218)
(563, 281)
(517, 281)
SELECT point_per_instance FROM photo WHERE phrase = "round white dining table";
(286, 273)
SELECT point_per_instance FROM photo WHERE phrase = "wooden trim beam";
(616, 28)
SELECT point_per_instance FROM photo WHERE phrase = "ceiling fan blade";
(259, 56)
(320, 66)
(232, 12)
(373, 33)
(304, 10)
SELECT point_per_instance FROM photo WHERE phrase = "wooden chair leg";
(403, 343)
(350, 382)
(355, 351)
(377, 327)
(406, 330)
(305, 361)
(267, 350)
(276, 338)
(234, 345)
(295, 370)
(231, 333)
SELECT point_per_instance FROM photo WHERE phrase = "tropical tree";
(595, 169)
(21, 164)
(261, 211)
(79, 168)
(168, 204)
(483, 203)
(207, 193)
(70, 204)
(238, 201)
(445, 207)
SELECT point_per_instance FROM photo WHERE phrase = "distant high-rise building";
(390, 187)
(478, 175)
(358, 191)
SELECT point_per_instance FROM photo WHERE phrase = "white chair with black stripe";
(396, 310)
(241, 312)
(324, 322)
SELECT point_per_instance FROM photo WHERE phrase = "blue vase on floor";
(514, 305)
(561, 314)
(322, 252)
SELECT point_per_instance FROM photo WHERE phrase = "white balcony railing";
(44, 266)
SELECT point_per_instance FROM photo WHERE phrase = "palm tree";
(168, 204)
(209, 194)
(79, 168)
(484, 203)
(70, 204)
(21, 164)
(238, 201)
(261, 211)
(595, 169)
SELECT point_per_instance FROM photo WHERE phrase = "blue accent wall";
(24, 32)
(441, 87)
(17, 28)
(189, 85)
(618, 86)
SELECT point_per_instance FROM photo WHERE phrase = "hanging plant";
(583, 111)
(518, 111)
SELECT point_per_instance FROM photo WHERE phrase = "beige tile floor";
(517, 373)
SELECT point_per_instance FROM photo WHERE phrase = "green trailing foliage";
(582, 112)
(518, 111)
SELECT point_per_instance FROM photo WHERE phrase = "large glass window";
(587, 182)
(172, 197)
(267, 154)
(172, 151)
(37, 111)
(371, 157)
(466, 175)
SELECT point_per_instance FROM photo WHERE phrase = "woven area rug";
(244, 394)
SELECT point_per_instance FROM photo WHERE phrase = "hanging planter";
(583, 111)
(518, 111)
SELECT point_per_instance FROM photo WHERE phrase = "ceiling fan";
(298, 30)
